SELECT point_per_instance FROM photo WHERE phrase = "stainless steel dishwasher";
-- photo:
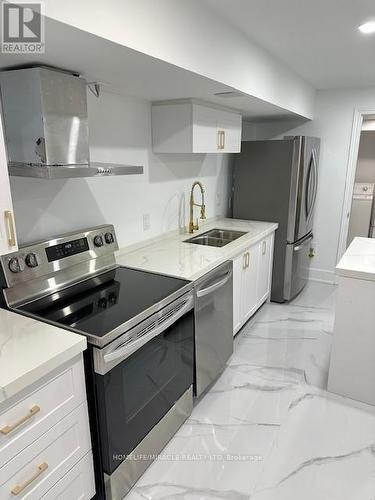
(213, 325)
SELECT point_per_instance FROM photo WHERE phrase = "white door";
(265, 269)
(8, 239)
(249, 287)
(230, 124)
(205, 139)
(238, 271)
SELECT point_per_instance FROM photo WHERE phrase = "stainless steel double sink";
(216, 237)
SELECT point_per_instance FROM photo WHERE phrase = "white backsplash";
(120, 131)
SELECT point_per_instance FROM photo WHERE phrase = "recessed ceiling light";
(367, 28)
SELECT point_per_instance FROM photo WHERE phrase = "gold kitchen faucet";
(193, 227)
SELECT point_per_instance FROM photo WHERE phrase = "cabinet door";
(249, 283)
(238, 271)
(205, 137)
(265, 269)
(8, 241)
(230, 124)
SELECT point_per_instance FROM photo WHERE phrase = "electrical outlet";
(313, 249)
(146, 222)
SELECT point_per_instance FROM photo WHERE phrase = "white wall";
(333, 122)
(366, 157)
(120, 131)
(190, 35)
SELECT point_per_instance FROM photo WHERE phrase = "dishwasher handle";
(214, 286)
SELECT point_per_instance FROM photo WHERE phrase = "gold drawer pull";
(10, 228)
(9, 428)
(20, 487)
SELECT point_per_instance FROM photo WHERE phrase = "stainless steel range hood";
(46, 126)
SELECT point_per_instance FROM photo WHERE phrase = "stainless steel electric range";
(140, 330)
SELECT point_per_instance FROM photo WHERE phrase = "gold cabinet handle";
(220, 139)
(223, 143)
(264, 247)
(244, 261)
(9, 428)
(10, 228)
(20, 487)
(247, 259)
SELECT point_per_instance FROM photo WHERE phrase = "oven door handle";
(123, 351)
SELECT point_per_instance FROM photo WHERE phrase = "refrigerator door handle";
(298, 247)
(311, 197)
(315, 165)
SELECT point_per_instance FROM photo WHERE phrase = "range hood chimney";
(46, 126)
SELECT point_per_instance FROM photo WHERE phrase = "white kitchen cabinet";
(8, 238)
(238, 269)
(76, 484)
(249, 284)
(205, 138)
(44, 435)
(43, 405)
(190, 126)
(265, 269)
(252, 272)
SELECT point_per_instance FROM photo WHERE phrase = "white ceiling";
(125, 71)
(318, 39)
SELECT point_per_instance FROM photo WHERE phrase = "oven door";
(140, 376)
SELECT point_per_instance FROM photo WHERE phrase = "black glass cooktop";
(101, 304)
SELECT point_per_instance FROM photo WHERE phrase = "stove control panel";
(51, 256)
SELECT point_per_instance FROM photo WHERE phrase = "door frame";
(358, 117)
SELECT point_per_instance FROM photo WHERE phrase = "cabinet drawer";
(77, 484)
(43, 463)
(46, 404)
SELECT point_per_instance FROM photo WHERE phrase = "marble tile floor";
(267, 429)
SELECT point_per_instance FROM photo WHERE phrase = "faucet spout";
(192, 226)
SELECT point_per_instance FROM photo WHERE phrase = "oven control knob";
(98, 241)
(16, 264)
(102, 303)
(31, 260)
(112, 299)
(109, 238)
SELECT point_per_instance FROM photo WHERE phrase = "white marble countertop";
(30, 349)
(172, 256)
(359, 260)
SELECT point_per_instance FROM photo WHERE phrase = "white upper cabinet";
(8, 238)
(188, 126)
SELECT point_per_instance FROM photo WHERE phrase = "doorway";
(358, 217)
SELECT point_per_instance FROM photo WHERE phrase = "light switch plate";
(146, 222)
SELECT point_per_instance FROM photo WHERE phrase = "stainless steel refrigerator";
(277, 181)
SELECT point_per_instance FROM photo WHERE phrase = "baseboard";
(322, 276)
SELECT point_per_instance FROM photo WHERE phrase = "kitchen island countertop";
(359, 260)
